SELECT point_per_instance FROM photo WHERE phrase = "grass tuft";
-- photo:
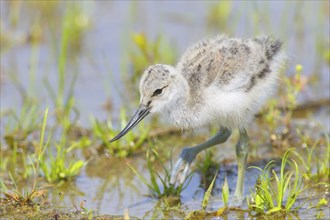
(122, 148)
(164, 189)
(277, 193)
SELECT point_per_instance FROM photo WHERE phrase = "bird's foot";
(182, 166)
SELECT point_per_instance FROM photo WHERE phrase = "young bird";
(222, 81)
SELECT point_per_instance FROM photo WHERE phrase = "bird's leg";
(241, 153)
(182, 166)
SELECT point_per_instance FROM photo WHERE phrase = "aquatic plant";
(84, 210)
(164, 189)
(201, 214)
(269, 198)
(19, 125)
(123, 148)
(316, 165)
(56, 168)
(28, 197)
(225, 192)
(207, 194)
(21, 197)
(18, 131)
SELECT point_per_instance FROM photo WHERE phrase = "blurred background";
(83, 60)
(93, 48)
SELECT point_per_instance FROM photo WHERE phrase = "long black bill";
(138, 116)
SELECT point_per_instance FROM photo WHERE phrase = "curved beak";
(142, 112)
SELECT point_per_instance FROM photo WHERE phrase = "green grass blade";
(207, 194)
(140, 177)
(152, 175)
(44, 123)
(225, 192)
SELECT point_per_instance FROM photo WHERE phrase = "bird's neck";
(182, 95)
(180, 107)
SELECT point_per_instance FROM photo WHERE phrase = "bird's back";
(229, 63)
(230, 78)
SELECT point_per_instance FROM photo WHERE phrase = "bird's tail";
(271, 45)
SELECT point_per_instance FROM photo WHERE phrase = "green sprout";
(225, 192)
(207, 194)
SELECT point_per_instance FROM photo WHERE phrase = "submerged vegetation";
(48, 76)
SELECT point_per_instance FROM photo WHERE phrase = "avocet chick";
(221, 81)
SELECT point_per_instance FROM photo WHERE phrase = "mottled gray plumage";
(223, 59)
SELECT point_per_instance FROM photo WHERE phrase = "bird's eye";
(157, 92)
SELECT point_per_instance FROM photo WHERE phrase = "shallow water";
(103, 60)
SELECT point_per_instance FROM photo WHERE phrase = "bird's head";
(158, 87)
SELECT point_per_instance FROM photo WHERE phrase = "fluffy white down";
(227, 108)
